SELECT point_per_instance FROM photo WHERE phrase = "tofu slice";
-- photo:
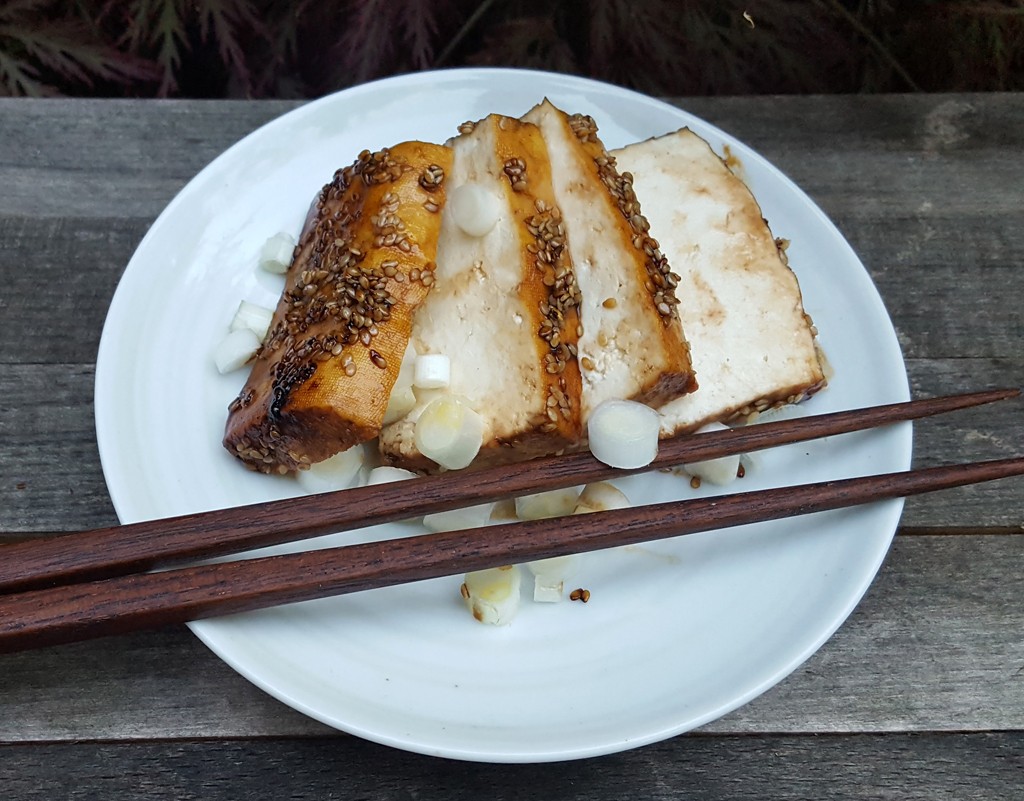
(364, 262)
(632, 346)
(753, 345)
(504, 307)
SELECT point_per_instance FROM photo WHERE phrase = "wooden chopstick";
(120, 550)
(130, 603)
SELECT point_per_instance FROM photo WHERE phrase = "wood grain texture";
(56, 615)
(102, 553)
(934, 646)
(50, 476)
(977, 767)
(919, 695)
(73, 159)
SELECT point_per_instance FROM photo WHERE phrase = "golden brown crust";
(753, 343)
(548, 290)
(321, 381)
(633, 345)
(652, 269)
(511, 156)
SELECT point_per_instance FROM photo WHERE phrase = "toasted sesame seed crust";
(523, 268)
(633, 330)
(364, 262)
(754, 345)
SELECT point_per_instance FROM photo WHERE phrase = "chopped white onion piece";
(254, 317)
(459, 519)
(276, 253)
(235, 350)
(504, 511)
(449, 432)
(719, 471)
(624, 433)
(337, 472)
(551, 575)
(386, 474)
(432, 371)
(407, 368)
(474, 209)
(553, 503)
(750, 462)
(601, 496)
(492, 595)
(402, 399)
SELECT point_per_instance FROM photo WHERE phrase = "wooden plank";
(58, 275)
(920, 186)
(50, 476)
(935, 645)
(927, 190)
(933, 767)
(113, 158)
(51, 480)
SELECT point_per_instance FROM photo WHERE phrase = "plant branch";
(467, 26)
(873, 40)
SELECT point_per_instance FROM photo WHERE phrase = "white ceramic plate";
(675, 635)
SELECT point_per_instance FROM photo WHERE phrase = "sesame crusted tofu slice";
(753, 344)
(364, 262)
(504, 307)
(632, 346)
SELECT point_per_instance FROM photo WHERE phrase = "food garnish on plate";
(753, 345)
(504, 308)
(520, 291)
(364, 263)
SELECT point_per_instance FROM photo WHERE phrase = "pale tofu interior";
(474, 314)
(621, 347)
(752, 345)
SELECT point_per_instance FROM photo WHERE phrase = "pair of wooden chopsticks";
(90, 584)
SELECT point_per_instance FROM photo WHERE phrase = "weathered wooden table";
(919, 695)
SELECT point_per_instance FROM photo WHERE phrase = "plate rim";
(411, 80)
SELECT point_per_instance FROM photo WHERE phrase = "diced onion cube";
(718, 471)
(386, 474)
(624, 433)
(432, 371)
(254, 317)
(492, 595)
(553, 503)
(474, 209)
(449, 432)
(407, 368)
(504, 511)
(550, 576)
(459, 519)
(276, 253)
(601, 496)
(337, 472)
(402, 399)
(235, 350)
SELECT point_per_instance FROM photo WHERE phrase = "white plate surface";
(675, 635)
